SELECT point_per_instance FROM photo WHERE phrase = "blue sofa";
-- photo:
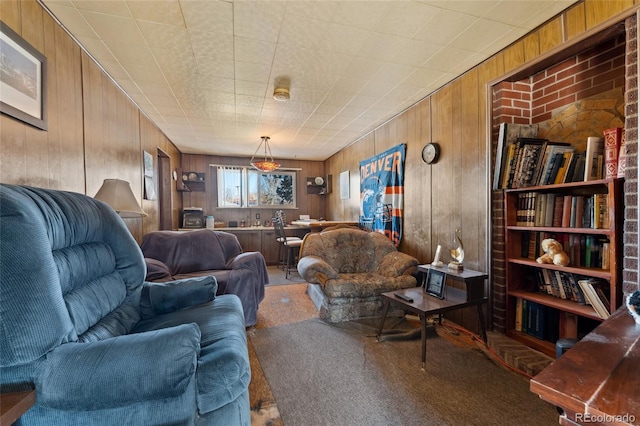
(100, 345)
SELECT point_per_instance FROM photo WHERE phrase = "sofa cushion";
(365, 285)
(161, 298)
(223, 372)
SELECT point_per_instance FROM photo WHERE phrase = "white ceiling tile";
(108, 7)
(208, 16)
(320, 35)
(479, 35)
(254, 51)
(445, 26)
(252, 72)
(322, 10)
(361, 14)
(405, 19)
(381, 46)
(204, 71)
(362, 68)
(115, 29)
(415, 53)
(167, 12)
(73, 19)
(258, 20)
(165, 37)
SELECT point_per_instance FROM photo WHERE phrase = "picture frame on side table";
(23, 79)
(434, 283)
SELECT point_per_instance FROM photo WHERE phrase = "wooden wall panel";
(311, 204)
(574, 21)
(551, 35)
(52, 158)
(597, 11)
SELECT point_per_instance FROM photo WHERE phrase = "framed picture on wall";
(22, 79)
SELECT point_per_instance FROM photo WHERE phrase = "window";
(244, 187)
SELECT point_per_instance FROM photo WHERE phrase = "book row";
(537, 320)
(589, 251)
(566, 211)
(523, 159)
(576, 288)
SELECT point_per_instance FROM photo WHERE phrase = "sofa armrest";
(246, 260)
(396, 263)
(157, 270)
(315, 270)
(119, 371)
(162, 298)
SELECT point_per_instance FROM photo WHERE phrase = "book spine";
(612, 142)
(622, 156)
(595, 147)
(566, 211)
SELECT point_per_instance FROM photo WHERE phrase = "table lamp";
(118, 194)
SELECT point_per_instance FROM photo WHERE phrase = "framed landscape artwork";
(22, 79)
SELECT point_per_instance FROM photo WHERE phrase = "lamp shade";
(118, 194)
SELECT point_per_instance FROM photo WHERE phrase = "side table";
(15, 404)
(424, 305)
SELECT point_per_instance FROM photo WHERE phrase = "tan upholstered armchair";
(348, 269)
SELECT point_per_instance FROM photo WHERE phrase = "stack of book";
(566, 211)
(594, 292)
(523, 159)
(537, 320)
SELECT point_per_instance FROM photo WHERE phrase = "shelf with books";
(589, 287)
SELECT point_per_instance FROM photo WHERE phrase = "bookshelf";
(542, 303)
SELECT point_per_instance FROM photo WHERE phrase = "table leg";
(483, 327)
(423, 337)
(384, 317)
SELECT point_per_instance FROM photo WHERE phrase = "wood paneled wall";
(455, 192)
(94, 130)
(311, 204)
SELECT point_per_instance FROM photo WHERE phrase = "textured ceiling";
(204, 71)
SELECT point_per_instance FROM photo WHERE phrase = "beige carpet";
(282, 304)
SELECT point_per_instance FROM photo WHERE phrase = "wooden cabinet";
(542, 303)
(263, 239)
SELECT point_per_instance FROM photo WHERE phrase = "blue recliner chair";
(100, 345)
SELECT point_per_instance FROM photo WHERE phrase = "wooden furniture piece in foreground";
(597, 381)
(15, 404)
(425, 305)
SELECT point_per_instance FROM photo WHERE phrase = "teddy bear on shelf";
(553, 253)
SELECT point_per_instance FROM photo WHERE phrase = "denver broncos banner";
(382, 193)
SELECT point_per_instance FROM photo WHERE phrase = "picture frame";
(23, 80)
(434, 283)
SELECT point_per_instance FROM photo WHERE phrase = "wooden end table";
(15, 404)
(424, 305)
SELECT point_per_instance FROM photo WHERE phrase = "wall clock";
(430, 153)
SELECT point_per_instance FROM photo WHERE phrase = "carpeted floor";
(307, 372)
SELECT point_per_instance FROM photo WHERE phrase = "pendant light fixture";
(268, 164)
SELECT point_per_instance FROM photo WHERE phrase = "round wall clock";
(430, 153)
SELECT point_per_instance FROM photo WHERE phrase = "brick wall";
(607, 69)
(630, 233)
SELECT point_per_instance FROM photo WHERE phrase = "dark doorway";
(164, 192)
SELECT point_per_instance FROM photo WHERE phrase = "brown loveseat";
(348, 269)
(172, 255)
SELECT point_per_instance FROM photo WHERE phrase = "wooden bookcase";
(563, 316)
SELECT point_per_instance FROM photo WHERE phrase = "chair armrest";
(119, 371)
(396, 263)
(162, 298)
(315, 270)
